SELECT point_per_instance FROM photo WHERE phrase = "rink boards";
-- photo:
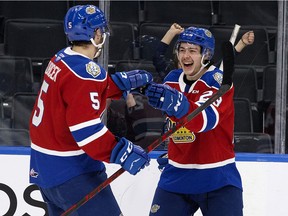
(264, 179)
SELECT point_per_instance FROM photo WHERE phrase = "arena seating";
(121, 41)
(15, 75)
(43, 38)
(245, 83)
(257, 54)
(14, 137)
(269, 84)
(21, 109)
(253, 143)
(243, 115)
(138, 64)
(32, 31)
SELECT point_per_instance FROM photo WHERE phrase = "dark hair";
(80, 43)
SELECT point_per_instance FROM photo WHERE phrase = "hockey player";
(200, 170)
(68, 139)
(164, 66)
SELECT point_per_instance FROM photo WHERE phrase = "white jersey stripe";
(202, 166)
(204, 116)
(57, 153)
(216, 115)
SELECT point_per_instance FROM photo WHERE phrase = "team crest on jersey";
(90, 10)
(93, 69)
(154, 208)
(218, 77)
(182, 135)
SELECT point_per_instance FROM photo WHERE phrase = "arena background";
(32, 31)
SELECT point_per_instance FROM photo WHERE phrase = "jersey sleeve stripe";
(210, 118)
(216, 115)
(83, 133)
(204, 118)
(93, 137)
(84, 124)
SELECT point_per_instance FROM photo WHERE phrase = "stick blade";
(228, 62)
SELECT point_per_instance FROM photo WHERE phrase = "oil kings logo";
(90, 10)
(93, 69)
(208, 33)
(182, 135)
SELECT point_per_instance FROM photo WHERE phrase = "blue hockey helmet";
(81, 21)
(199, 36)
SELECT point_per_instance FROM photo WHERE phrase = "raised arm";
(246, 40)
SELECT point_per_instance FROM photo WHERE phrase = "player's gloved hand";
(162, 161)
(140, 90)
(132, 79)
(131, 157)
(167, 99)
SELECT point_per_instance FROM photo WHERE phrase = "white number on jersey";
(36, 120)
(206, 95)
(95, 101)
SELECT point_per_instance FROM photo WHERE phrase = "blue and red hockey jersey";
(68, 137)
(201, 154)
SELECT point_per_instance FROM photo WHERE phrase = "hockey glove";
(167, 99)
(127, 81)
(162, 161)
(131, 157)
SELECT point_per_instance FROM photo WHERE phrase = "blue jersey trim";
(195, 181)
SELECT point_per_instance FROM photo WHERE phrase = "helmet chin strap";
(202, 67)
(98, 46)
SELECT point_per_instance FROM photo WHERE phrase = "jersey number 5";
(37, 117)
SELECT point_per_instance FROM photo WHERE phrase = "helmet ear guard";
(207, 54)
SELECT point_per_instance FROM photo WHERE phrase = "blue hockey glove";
(167, 99)
(162, 161)
(131, 157)
(132, 79)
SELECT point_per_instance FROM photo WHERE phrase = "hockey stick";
(228, 59)
(232, 39)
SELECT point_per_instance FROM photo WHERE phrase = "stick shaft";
(232, 39)
(93, 192)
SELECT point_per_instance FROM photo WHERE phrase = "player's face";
(189, 56)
